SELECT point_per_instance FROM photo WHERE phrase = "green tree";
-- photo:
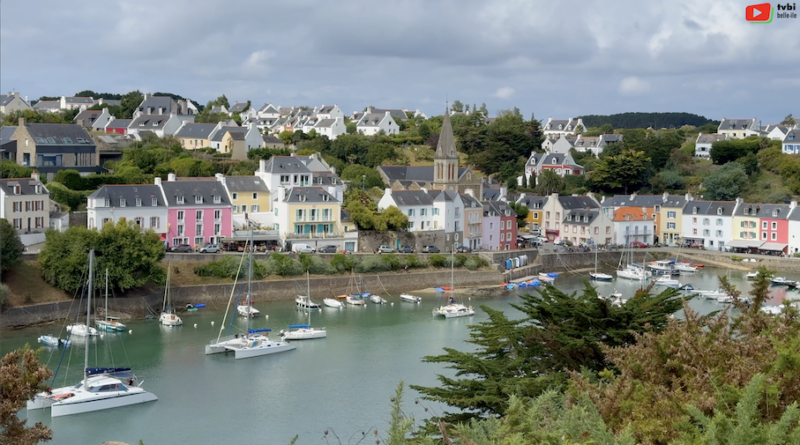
(607, 128)
(789, 121)
(394, 218)
(521, 211)
(363, 217)
(128, 105)
(71, 179)
(10, 246)
(557, 334)
(359, 176)
(22, 377)
(666, 180)
(267, 153)
(725, 183)
(622, 172)
(726, 151)
(457, 106)
(351, 126)
(286, 137)
(131, 255)
(548, 182)
(10, 169)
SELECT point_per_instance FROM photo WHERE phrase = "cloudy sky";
(552, 58)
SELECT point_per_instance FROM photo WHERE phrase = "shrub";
(475, 262)
(344, 263)
(413, 261)
(228, 267)
(319, 266)
(4, 294)
(280, 264)
(439, 260)
(736, 258)
(373, 263)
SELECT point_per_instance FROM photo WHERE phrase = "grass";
(28, 287)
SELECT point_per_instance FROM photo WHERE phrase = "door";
(397, 243)
(350, 246)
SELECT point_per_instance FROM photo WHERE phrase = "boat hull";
(59, 409)
(410, 298)
(170, 320)
(330, 302)
(304, 334)
(243, 353)
(601, 277)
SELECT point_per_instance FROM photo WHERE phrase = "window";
(180, 229)
(423, 212)
(558, 216)
(458, 212)
(218, 228)
(774, 225)
(217, 199)
(597, 230)
(547, 215)
(180, 215)
(154, 222)
(657, 209)
(411, 224)
(719, 221)
(671, 214)
(706, 232)
(153, 202)
(608, 230)
(198, 199)
(491, 225)
(235, 209)
(235, 195)
(18, 206)
(284, 179)
(139, 221)
(764, 225)
(410, 212)
(508, 225)
(763, 235)
(490, 237)
(122, 202)
(670, 225)
(254, 208)
(255, 195)
(198, 241)
(218, 215)
(706, 221)
(198, 228)
(774, 236)
(180, 200)
(566, 228)
(138, 202)
(198, 215)
(535, 215)
(18, 223)
(694, 220)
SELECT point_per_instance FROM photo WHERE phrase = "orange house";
(635, 224)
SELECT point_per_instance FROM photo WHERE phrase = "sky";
(556, 59)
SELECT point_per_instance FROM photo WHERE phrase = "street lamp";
(363, 181)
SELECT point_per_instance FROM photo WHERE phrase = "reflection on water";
(344, 381)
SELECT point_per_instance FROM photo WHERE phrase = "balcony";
(316, 235)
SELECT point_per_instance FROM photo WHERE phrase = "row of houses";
(675, 220)
(729, 129)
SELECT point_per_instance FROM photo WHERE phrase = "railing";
(291, 235)
(238, 233)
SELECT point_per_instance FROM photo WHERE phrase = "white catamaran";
(100, 389)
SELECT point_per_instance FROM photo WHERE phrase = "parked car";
(181, 248)
(303, 248)
(463, 249)
(328, 249)
(430, 249)
(638, 244)
(406, 249)
(211, 248)
(385, 248)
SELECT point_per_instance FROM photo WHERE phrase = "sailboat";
(168, 316)
(254, 342)
(453, 309)
(598, 276)
(304, 301)
(100, 389)
(111, 324)
(632, 271)
(334, 303)
(304, 331)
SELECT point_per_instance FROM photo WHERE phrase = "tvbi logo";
(763, 12)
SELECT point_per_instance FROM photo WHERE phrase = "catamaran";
(100, 389)
(304, 331)
(111, 324)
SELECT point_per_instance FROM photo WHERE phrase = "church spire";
(446, 148)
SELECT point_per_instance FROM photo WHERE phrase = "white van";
(303, 248)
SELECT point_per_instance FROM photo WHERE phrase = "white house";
(702, 146)
(417, 205)
(330, 112)
(142, 204)
(739, 128)
(72, 103)
(448, 215)
(159, 124)
(559, 144)
(12, 102)
(332, 128)
(284, 171)
(776, 132)
(791, 142)
(557, 127)
(794, 231)
(268, 111)
(373, 123)
(630, 226)
(708, 223)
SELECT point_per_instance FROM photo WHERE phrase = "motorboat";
(454, 310)
(751, 275)
(662, 267)
(410, 298)
(332, 302)
(615, 298)
(304, 302)
(634, 272)
(725, 299)
(51, 340)
(247, 310)
(81, 330)
(548, 276)
(685, 268)
(110, 324)
(711, 294)
(377, 299)
(781, 281)
(354, 300)
(599, 276)
(100, 389)
(667, 281)
(168, 316)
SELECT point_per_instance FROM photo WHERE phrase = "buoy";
(102, 336)
(212, 323)
(130, 331)
(195, 325)
(392, 303)
(266, 317)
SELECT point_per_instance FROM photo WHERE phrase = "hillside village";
(319, 177)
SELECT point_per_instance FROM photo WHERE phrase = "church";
(445, 173)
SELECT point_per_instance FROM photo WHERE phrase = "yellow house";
(307, 213)
(25, 203)
(195, 136)
(233, 143)
(670, 221)
(746, 220)
(534, 204)
(248, 194)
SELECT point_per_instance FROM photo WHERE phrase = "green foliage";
(645, 120)
(5, 293)
(23, 377)
(342, 263)
(131, 255)
(316, 265)
(439, 260)
(475, 262)
(70, 178)
(229, 266)
(10, 246)
(730, 150)
(10, 169)
(521, 211)
(359, 175)
(666, 180)
(393, 218)
(725, 183)
(789, 120)
(266, 153)
(619, 173)
(558, 333)
(280, 264)
(31, 117)
(548, 182)
(71, 199)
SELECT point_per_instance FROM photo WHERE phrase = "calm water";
(344, 381)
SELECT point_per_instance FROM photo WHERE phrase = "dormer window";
(694, 211)
(138, 202)
(180, 200)
(122, 202)
(217, 199)
(324, 197)
(198, 199)
(17, 190)
(105, 202)
(38, 189)
(155, 124)
(153, 202)
(775, 213)
(719, 210)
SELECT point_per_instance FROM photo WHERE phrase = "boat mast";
(249, 284)
(166, 290)
(88, 315)
(308, 296)
(106, 293)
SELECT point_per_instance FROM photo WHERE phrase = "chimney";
(332, 190)
(262, 165)
(35, 177)
(220, 177)
(633, 196)
(158, 181)
(665, 197)
(388, 191)
(171, 177)
(470, 192)
(21, 122)
(281, 194)
(793, 204)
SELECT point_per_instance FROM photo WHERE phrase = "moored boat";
(81, 330)
(410, 298)
(600, 276)
(377, 299)
(667, 281)
(332, 302)
(51, 340)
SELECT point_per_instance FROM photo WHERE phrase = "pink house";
(199, 211)
(774, 230)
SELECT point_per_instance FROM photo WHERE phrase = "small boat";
(781, 281)
(454, 310)
(685, 268)
(446, 288)
(200, 305)
(551, 275)
(304, 331)
(687, 287)
(304, 302)
(354, 300)
(81, 330)
(377, 299)
(110, 324)
(438, 289)
(247, 310)
(751, 275)
(667, 282)
(662, 267)
(725, 299)
(699, 265)
(332, 302)
(600, 276)
(711, 294)
(410, 298)
(51, 340)
(168, 316)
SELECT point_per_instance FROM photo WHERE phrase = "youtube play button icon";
(759, 13)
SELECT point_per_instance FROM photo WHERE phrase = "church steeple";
(445, 160)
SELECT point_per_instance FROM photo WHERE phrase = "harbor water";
(342, 383)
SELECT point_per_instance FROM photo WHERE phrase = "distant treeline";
(645, 120)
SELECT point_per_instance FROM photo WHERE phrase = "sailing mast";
(249, 284)
(106, 313)
(166, 289)
(308, 297)
(88, 316)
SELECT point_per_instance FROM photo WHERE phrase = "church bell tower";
(445, 160)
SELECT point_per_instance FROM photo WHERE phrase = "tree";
(131, 255)
(548, 182)
(10, 246)
(22, 377)
(726, 151)
(457, 106)
(725, 183)
(789, 121)
(10, 169)
(666, 180)
(351, 126)
(286, 136)
(619, 172)
(128, 105)
(607, 128)
(557, 334)
(521, 211)
(394, 218)
(71, 179)
(363, 217)
(359, 176)
(267, 153)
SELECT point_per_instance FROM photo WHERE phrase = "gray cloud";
(552, 58)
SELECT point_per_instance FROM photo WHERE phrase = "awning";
(773, 246)
(527, 236)
(742, 244)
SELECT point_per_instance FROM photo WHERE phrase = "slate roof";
(674, 201)
(371, 120)
(763, 210)
(412, 173)
(285, 164)
(195, 131)
(710, 138)
(217, 109)
(491, 194)
(412, 198)
(79, 100)
(738, 124)
(309, 194)
(577, 202)
(579, 214)
(469, 201)
(246, 184)
(795, 215)
(6, 132)
(587, 141)
(325, 123)
(268, 108)
(637, 201)
(269, 139)
(446, 147)
(556, 159)
(150, 121)
(59, 134)
(238, 107)
(795, 134)
(555, 122)
(396, 113)
(534, 159)
(46, 104)
(26, 186)
(530, 201)
(90, 115)
(119, 123)
(237, 135)
(5, 98)
(444, 195)
(499, 207)
(710, 208)
(217, 137)
(145, 192)
(326, 109)
(609, 138)
(156, 102)
(191, 188)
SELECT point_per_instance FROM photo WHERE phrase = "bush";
(413, 261)
(438, 260)
(344, 263)
(736, 258)
(66, 197)
(373, 263)
(280, 264)
(228, 267)
(475, 262)
(318, 266)
(5, 292)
